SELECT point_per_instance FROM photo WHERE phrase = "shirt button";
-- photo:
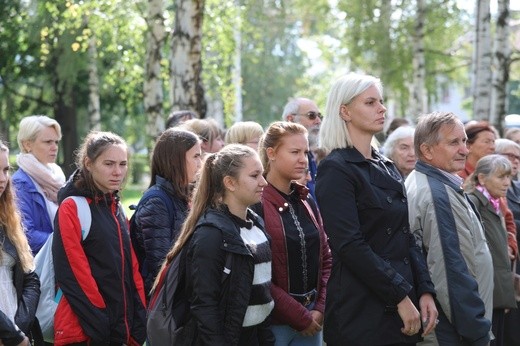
(388, 231)
(405, 229)
(389, 199)
(280, 209)
(405, 260)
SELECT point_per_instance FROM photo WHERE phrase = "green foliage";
(378, 38)
(288, 48)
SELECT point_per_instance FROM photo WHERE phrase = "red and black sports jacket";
(103, 295)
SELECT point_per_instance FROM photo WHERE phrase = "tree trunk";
(65, 115)
(94, 110)
(237, 65)
(186, 89)
(419, 102)
(153, 88)
(7, 108)
(501, 65)
(482, 62)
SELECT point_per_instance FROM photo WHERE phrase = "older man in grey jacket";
(447, 227)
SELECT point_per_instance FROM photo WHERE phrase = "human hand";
(25, 342)
(410, 316)
(510, 252)
(429, 313)
(312, 329)
(317, 316)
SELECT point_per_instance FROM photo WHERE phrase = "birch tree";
(94, 111)
(419, 102)
(482, 58)
(186, 89)
(237, 65)
(501, 65)
(153, 85)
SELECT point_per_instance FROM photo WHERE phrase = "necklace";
(302, 246)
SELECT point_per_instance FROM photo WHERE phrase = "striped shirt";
(260, 302)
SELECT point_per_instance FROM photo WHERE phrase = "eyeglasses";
(511, 156)
(312, 115)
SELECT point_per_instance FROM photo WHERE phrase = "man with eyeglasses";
(305, 112)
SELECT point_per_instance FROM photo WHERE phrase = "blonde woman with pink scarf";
(38, 178)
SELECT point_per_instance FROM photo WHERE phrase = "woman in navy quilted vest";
(103, 300)
(301, 255)
(176, 160)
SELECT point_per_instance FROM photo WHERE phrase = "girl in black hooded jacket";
(228, 257)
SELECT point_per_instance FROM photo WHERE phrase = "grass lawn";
(131, 194)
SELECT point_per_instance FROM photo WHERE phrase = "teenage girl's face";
(4, 170)
(109, 169)
(193, 162)
(289, 160)
(365, 113)
(45, 146)
(249, 184)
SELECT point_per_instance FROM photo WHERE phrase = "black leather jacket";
(27, 287)
(219, 304)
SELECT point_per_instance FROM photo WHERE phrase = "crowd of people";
(305, 232)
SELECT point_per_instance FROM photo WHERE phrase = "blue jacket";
(159, 229)
(31, 203)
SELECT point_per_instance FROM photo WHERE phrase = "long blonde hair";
(11, 222)
(209, 191)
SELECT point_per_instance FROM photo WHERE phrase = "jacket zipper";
(115, 210)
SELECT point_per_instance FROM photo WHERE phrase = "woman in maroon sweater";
(301, 255)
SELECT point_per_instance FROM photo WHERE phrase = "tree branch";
(14, 91)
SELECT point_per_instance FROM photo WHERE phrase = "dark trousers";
(497, 327)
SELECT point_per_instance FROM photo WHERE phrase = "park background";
(123, 66)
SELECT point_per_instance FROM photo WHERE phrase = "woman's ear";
(344, 113)
(87, 164)
(481, 179)
(26, 146)
(229, 183)
(271, 153)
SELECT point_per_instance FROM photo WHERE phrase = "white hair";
(334, 133)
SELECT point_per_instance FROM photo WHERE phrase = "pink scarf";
(495, 202)
(49, 176)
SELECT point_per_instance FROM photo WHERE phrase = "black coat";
(219, 305)
(27, 287)
(376, 262)
(512, 319)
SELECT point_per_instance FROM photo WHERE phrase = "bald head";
(303, 111)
